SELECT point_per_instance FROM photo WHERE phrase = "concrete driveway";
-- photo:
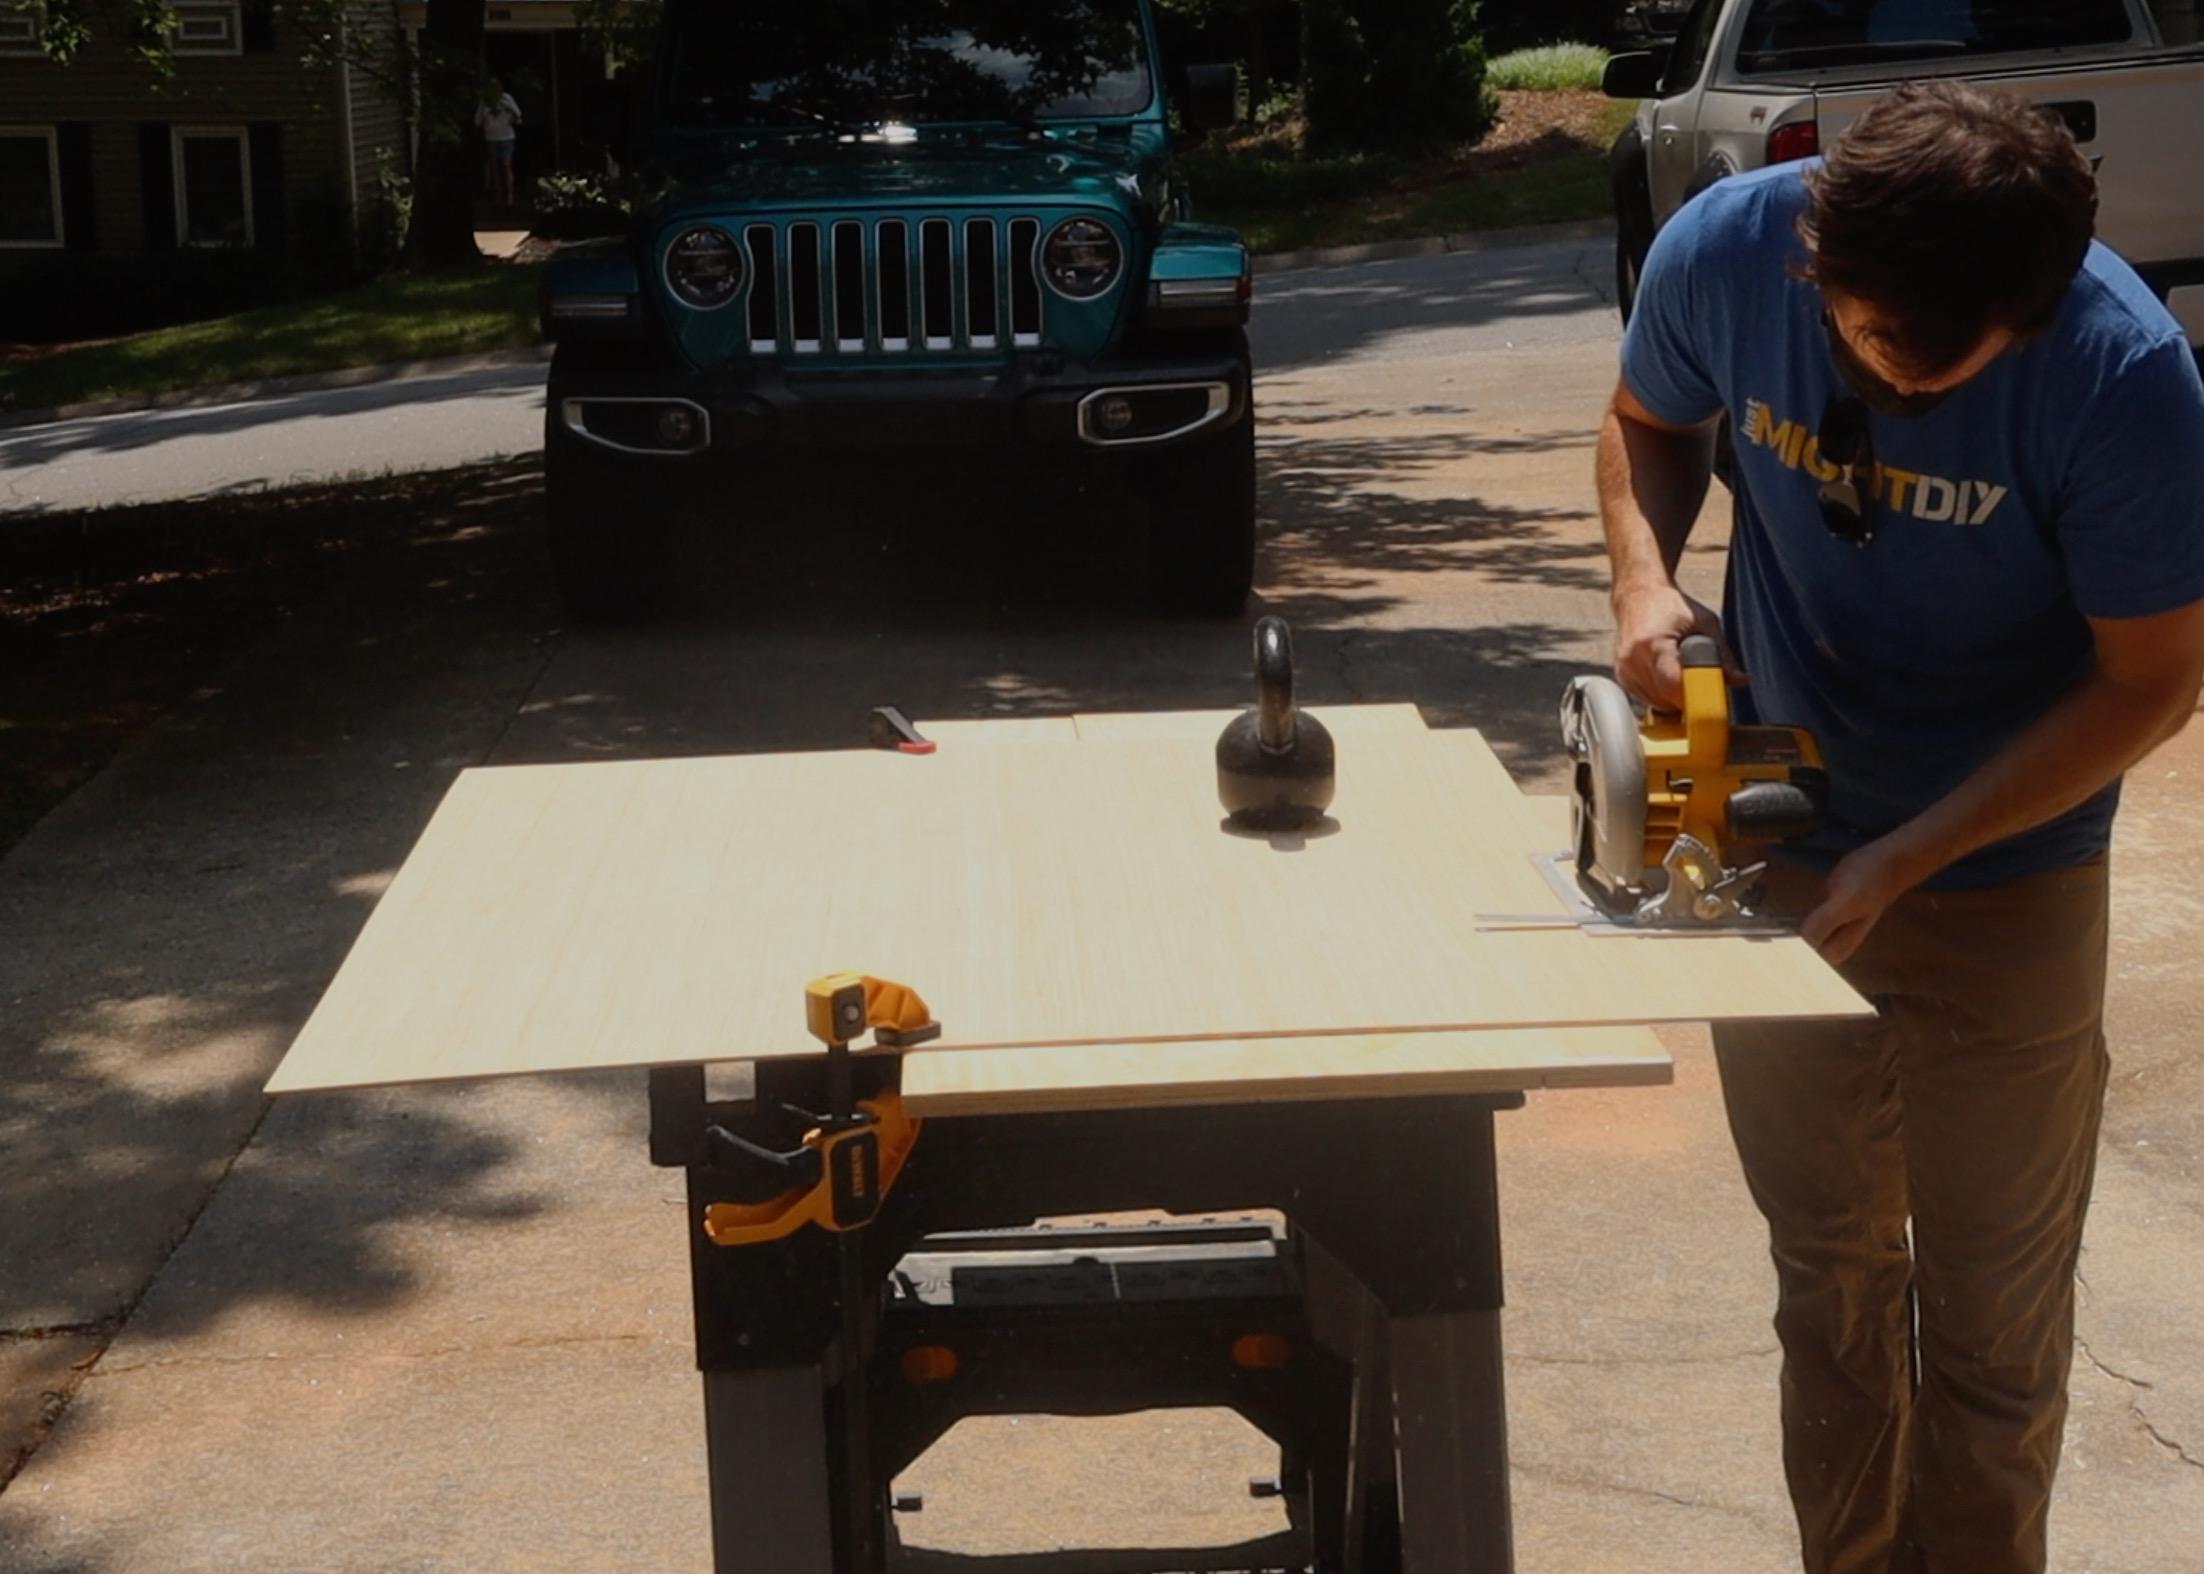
(448, 1328)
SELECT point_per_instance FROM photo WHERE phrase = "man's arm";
(1652, 478)
(2141, 691)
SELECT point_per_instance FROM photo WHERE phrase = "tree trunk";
(450, 84)
(1332, 69)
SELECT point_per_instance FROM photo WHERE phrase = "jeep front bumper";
(1149, 403)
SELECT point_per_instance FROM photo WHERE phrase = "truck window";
(1694, 42)
(836, 63)
(2178, 20)
(1791, 35)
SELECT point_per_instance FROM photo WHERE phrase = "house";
(244, 149)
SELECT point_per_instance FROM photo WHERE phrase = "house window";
(30, 187)
(20, 31)
(214, 186)
(208, 27)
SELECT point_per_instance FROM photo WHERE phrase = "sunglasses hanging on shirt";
(1844, 441)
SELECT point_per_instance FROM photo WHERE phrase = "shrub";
(1282, 103)
(574, 207)
(386, 215)
(1548, 68)
(1396, 76)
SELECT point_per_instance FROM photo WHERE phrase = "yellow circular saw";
(1662, 805)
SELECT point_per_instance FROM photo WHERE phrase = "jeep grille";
(825, 287)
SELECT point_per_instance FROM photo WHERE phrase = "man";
(497, 117)
(1968, 554)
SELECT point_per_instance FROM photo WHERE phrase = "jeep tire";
(1201, 523)
(610, 550)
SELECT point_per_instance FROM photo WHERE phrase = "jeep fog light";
(1081, 258)
(704, 267)
(1113, 415)
(676, 426)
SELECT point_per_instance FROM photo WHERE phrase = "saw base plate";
(1581, 912)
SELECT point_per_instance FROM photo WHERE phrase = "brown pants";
(1924, 1380)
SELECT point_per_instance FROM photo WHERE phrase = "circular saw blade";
(1607, 812)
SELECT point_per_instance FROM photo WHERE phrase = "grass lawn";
(400, 318)
(1550, 174)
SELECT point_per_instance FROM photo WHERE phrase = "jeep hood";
(1098, 170)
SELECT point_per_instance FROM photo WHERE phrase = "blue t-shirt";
(2065, 482)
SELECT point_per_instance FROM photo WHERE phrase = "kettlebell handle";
(1274, 709)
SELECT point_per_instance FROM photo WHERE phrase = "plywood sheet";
(634, 913)
(1275, 1070)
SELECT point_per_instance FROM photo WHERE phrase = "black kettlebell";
(1275, 767)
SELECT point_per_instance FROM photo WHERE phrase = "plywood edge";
(937, 1086)
(1833, 1007)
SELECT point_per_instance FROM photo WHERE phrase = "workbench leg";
(766, 1448)
(1451, 1440)
(1370, 1447)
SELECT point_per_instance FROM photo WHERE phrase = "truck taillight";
(1800, 139)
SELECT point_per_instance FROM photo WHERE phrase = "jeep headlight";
(704, 267)
(1081, 258)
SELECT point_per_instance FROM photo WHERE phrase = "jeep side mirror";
(1209, 99)
(1635, 75)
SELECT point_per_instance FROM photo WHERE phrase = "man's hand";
(1650, 627)
(1861, 888)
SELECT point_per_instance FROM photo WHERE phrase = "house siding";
(114, 94)
(378, 119)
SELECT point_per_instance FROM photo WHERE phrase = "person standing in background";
(497, 117)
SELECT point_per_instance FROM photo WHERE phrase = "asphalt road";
(1375, 312)
(448, 1328)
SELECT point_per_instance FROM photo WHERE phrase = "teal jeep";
(938, 224)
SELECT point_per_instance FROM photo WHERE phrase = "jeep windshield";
(1787, 35)
(841, 65)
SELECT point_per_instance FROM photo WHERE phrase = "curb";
(360, 376)
(310, 382)
(1436, 245)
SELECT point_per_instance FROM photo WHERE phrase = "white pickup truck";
(1747, 83)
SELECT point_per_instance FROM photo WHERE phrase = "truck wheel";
(1629, 259)
(1201, 523)
(609, 549)
(1633, 198)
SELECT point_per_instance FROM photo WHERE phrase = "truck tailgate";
(2147, 116)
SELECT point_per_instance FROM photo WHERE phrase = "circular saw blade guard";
(1607, 801)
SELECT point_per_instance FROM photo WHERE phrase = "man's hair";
(1951, 211)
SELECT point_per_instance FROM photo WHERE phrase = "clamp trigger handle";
(799, 1169)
